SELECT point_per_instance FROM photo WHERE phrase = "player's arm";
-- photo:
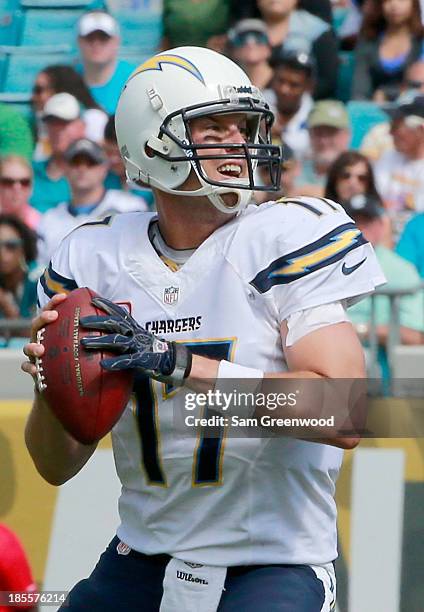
(56, 455)
(332, 352)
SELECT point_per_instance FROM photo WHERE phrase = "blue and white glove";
(138, 349)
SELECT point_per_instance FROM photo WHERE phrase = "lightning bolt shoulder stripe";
(325, 251)
(53, 283)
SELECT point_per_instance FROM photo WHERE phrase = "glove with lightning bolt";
(137, 348)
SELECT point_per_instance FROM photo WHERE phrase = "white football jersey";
(223, 501)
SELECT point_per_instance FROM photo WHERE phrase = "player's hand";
(137, 348)
(34, 349)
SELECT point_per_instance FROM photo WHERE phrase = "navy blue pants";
(133, 583)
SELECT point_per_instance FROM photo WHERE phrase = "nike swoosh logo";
(348, 270)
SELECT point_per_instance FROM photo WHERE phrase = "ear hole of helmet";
(148, 150)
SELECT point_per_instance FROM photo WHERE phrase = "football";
(86, 399)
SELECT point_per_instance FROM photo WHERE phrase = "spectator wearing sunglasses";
(248, 46)
(86, 166)
(15, 189)
(63, 79)
(350, 175)
(18, 287)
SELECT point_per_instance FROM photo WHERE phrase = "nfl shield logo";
(170, 295)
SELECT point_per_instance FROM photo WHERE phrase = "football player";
(219, 290)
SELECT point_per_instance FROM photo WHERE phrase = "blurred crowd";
(345, 79)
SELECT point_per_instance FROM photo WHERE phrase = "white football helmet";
(153, 124)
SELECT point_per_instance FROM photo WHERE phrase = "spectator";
(62, 118)
(59, 79)
(15, 189)
(18, 287)
(104, 74)
(299, 30)
(291, 97)
(85, 168)
(248, 46)
(322, 8)
(329, 133)
(391, 39)
(15, 133)
(379, 139)
(117, 177)
(196, 23)
(414, 77)
(289, 171)
(400, 274)
(400, 173)
(15, 571)
(350, 175)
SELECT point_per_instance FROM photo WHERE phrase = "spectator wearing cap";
(329, 133)
(60, 78)
(298, 30)
(400, 274)
(378, 139)
(248, 46)
(62, 119)
(104, 74)
(400, 173)
(289, 171)
(85, 168)
(290, 96)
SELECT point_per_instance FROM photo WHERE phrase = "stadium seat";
(10, 5)
(363, 115)
(10, 22)
(49, 27)
(133, 56)
(22, 68)
(139, 29)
